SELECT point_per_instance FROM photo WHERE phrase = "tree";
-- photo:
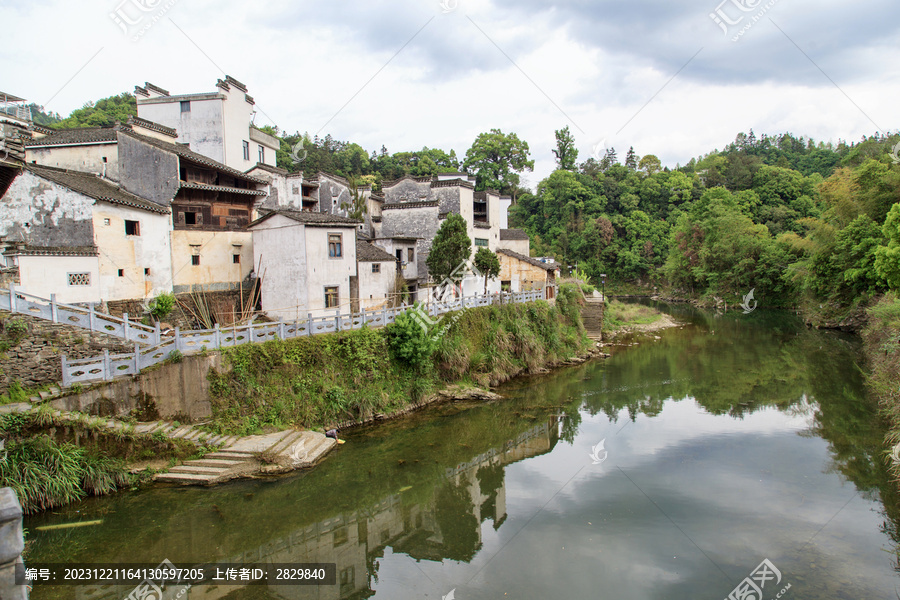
(887, 258)
(356, 207)
(497, 159)
(650, 164)
(104, 112)
(450, 248)
(566, 153)
(488, 263)
(631, 159)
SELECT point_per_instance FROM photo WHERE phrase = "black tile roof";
(94, 187)
(513, 234)
(366, 252)
(53, 251)
(77, 135)
(220, 188)
(270, 168)
(528, 259)
(310, 218)
(423, 204)
(146, 124)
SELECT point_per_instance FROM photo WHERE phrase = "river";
(672, 470)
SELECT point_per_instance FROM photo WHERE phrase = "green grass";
(620, 314)
(881, 341)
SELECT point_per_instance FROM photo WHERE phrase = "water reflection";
(731, 437)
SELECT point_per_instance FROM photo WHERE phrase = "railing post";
(107, 374)
(65, 371)
(137, 359)
(178, 339)
(54, 314)
(384, 315)
(157, 334)
(362, 318)
(91, 316)
(281, 330)
(337, 319)
(12, 297)
(125, 318)
(309, 324)
(218, 336)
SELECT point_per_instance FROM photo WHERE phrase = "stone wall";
(32, 358)
(171, 391)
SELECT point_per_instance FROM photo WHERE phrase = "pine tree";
(631, 160)
(450, 248)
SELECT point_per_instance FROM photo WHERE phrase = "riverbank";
(881, 342)
(356, 377)
(622, 318)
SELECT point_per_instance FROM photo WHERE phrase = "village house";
(83, 238)
(377, 273)
(416, 207)
(522, 273)
(210, 203)
(307, 261)
(218, 125)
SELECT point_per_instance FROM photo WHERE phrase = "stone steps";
(186, 478)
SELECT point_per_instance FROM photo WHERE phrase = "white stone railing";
(109, 366)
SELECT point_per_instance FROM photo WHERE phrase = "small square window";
(190, 218)
(236, 259)
(410, 254)
(104, 159)
(121, 272)
(132, 228)
(195, 260)
(331, 297)
(146, 270)
(106, 221)
(335, 247)
(185, 106)
(376, 267)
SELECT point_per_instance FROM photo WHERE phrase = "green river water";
(669, 471)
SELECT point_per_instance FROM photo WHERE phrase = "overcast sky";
(661, 75)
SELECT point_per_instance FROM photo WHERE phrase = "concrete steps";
(592, 316)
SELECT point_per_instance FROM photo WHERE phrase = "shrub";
(409, 341)
(16, 330)
(161, 306)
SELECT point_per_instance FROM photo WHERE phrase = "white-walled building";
(377, 272)
(306, 261)
(83, 238)
(216, 124)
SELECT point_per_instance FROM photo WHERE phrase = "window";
(347, 581)
(106, 221)
(410, 254)
(132, 228)
(121, 272)
(335, 249)
(246, 150)
(262, 154)
(236, 259)
(190, 218)
(195, 260)
(481, 242)
(185, 106)
(79, 279)
(146, 270)
(104, 158)
(399, 254)
(376, 267)
(331, 297)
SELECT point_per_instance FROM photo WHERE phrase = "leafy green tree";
(488, 263)
(497, 160)
(101, 113)
(450, 248)
(649, 164)
(887, 257)
(566, 153)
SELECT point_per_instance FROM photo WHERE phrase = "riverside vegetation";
(355, 375)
